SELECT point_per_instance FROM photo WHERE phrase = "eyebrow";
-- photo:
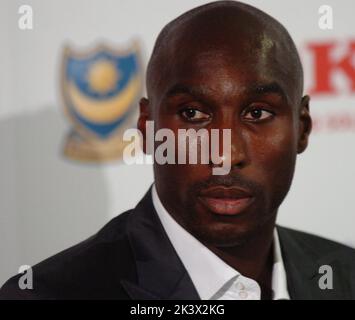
(184, 89)
(270, 88)
(197, 91)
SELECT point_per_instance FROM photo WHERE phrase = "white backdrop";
(48, 203)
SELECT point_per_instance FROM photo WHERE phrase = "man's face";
(228, 88)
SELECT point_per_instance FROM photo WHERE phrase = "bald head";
(239, 31)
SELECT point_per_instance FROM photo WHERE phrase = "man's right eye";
(193, 114)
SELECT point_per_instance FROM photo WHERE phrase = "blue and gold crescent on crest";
(100, 88)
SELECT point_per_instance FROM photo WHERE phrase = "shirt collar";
(279, 280)
(208, 272)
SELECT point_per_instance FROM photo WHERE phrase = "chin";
(224, 231)
(224, 235)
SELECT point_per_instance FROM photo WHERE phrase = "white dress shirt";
(212, 277)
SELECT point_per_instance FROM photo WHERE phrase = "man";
(195, 235)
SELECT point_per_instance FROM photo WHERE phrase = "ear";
(305, 126)
(142, 119)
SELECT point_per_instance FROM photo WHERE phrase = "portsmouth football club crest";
(100, 89)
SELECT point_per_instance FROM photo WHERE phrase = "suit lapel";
(302, 269)
(160, 273)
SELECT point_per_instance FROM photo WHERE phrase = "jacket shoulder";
(92, 268)
(318, 246)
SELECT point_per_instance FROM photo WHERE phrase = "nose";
(232, 149)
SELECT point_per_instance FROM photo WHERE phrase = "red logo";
(326, 66)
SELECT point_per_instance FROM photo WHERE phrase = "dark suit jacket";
(132, 258)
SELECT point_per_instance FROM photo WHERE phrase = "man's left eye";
(256, 114)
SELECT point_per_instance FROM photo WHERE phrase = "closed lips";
(226, 201)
